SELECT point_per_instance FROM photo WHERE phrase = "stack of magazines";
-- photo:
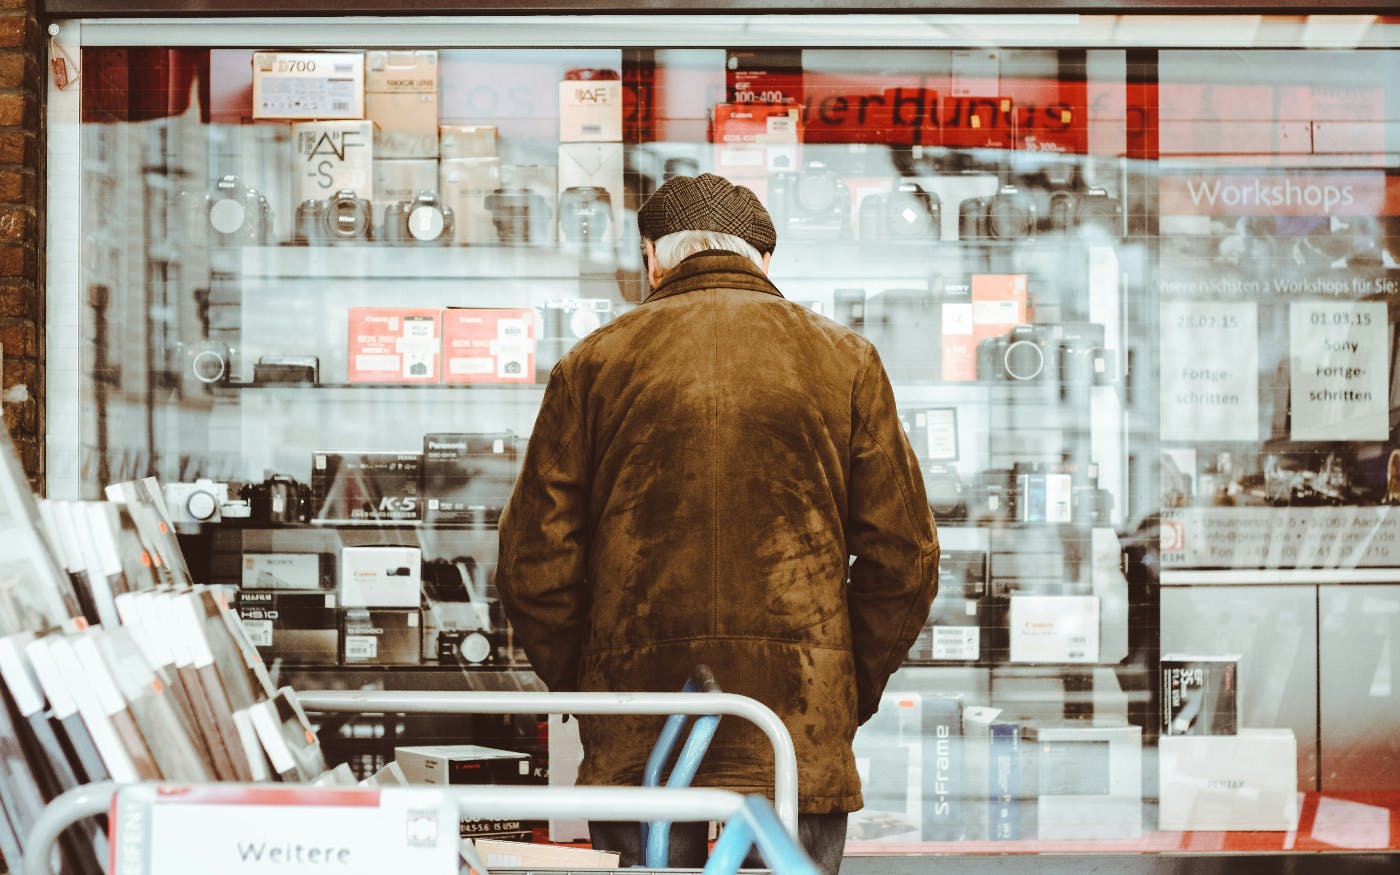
(115, 665)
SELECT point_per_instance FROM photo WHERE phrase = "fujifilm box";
(297, 627)
(1200, 694)
(365, 487)
(308, 85)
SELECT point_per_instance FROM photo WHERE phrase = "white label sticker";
(259, 632)
(361, 647)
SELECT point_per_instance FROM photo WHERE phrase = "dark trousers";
(823, 836)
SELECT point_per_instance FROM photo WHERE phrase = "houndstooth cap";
(707, 203)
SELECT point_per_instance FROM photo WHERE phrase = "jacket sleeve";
(890, 532)
(544, 540)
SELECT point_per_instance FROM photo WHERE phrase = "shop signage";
(1210, 371)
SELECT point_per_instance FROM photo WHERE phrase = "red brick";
(22, 417)
(30, 457)
(22, 372)
(18, 261)
(18, 68)
(18, 109)
(16, 187)
(19, 338)
(18, 300)
(16, 224)
(17, 147)
(18, 28)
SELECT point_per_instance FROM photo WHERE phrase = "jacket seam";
(713, 466)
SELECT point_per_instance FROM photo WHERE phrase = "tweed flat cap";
(707, 203)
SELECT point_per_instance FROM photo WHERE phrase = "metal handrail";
(485, 702)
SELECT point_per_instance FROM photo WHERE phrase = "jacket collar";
(713, 268)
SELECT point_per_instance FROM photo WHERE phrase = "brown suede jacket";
(700, 473)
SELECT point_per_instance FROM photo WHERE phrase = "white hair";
(673, 248)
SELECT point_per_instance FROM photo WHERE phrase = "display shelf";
(522, 392)
(361, 261)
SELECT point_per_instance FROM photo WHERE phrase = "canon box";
(1200, 694)
(393, 344)
(297, 627)
(488, 345)
(365, 487)
(381, 636)
(381, 577)
(458, 764)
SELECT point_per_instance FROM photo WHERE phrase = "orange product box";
(394, 344)
(754, 139)
(488, 345)
(993, 305)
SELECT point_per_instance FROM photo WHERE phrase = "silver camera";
(192, 503)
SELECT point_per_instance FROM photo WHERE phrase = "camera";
(1083, 358)
(1027, 352)
(908, 212)
(1007, 215)
(278, 500)
(237, 215)
(424, 220)
(1091, 211)
(204, 363)
(457, 623)
(813, 202)
(945, 492)
(197, 502)
(585, 211)
(516, 213)
(342, 217)
(287, 369)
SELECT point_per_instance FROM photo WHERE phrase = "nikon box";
(393, 344)
(467, 478)
(365, 487)
(298, 627)
(401, 98)
(381, 636)
(459, 764)
(333, 157)
(308, 85)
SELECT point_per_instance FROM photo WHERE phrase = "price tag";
(1210, 371)
(1339, 372)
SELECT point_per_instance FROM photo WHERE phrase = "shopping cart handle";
(756, 825)
(656, 835)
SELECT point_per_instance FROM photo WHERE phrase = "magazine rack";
(749, 821)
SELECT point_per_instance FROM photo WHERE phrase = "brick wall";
(22, 52)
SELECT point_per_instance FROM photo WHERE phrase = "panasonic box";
(467, 478)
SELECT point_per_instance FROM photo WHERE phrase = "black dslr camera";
(1007, 215)
(585, 211)
(518, 214)
(237, 215)
(908, 212)
(425, 220)
(343, 217)
(1092, 210)
(811, 203)
(1027, 352)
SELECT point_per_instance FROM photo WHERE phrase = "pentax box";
(381, 577)
(488, 345)
(755, 139)
(1200, 694)
(1054, 628)
(308, 85)
(394, 344)
(298, 627)
(329, 157)
(590, 107)
(401, 98)
(304, 571)
(467, 478)
(1088, 779)
(348, 487)
(381, 636)
(1247, 781)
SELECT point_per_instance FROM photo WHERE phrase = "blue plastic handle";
(656, 835)
(757, 825)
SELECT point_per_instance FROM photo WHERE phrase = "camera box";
(755, 139)
(464, 184)
(590, 110)
(1054, 628)
(333, 156)
(523, 855)
(401, 98)
(305, 571)
(1088, 779)
(381, 636)
(987, 306)
(953, 632)
(459, 764)
(467, 478)
(400, 179)
(365, 487)
(1247, 781)
(467, 141)
(488, 345)
(1200, 694)
(973, 122)
(298, 627)
(308, 85)
(394, 344)
(381, 577)
(763, 76)
(585, 166)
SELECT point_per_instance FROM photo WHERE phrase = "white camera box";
(400, 179)
(308, 85)
(590, 111)
(401, 98)
(467, 141)
(1247, 781)
(329, 157)
(380, 577)
(1088, 779)
(1054, 628)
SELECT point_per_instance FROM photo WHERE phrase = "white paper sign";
(245, 830)
(1210, 371)
(1339, 371)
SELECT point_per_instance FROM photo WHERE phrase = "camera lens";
(226, 216)
(425, 222)
(1024, 359)
(816, 191)
(208, 366)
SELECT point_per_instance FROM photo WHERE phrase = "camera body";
(1083, 359)
(585, 213)
(1092, 211)
(192, 503)
(518, 213)
(278, 500)
(202, 363)
(1009, 214)
(423, 221)
(237, 215)
(344, 217)
(907, 213)
(812, 203)
(1026, 353)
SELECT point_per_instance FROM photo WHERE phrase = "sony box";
(308, 85)
(401, 98)
(381, 636)
(1088, 779)
(488, 345)
(590, 110)
(457, 764)
(394, 344)
(1054, 628)
(467, 478)
(329, 157)
(1200, 694)
(464, 184)
(365, 487)
(1247, 781)
(400, 179)
(297, 627)
(304, 571)
(381, 577)
(466, 141)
